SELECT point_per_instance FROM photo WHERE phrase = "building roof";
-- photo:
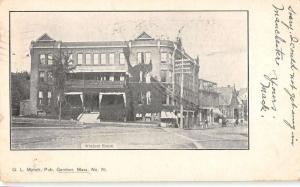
(225, 95)
(144, 36)
(228, 95)
(243, 94)
(45, 37)
(97, 43)
(203, 80)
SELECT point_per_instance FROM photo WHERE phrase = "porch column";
(193, 119)
(82, 100)
(212, 116)
(124, 98)
(100, 99)
(200, 115)
(187, 119)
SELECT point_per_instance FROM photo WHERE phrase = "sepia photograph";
(133, 80)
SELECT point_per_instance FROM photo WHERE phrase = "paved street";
(116, 137)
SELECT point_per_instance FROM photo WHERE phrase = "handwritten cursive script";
(281, 84)
(291, 89)
(269, 85)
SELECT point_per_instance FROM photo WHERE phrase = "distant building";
(232, 103)
(243, 98)
(138, 79)
(208, 101)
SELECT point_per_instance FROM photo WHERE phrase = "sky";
(218, 38)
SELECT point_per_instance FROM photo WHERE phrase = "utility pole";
(181, 69)
(181, 92)
(60, 95)
(173, 75)
(59, 118)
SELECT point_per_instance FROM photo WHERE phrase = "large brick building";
(138, 79)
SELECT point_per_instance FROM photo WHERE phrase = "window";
(79, 58)
(122, 78)
(169, 57)
(141, 76)
(167, 100)
(147, 58)
(71, 59)
(42, 76)
(122, 58)
(103, 58)
(40, 97)
(42, 59)
(163, 57)
(111, 78)
(111, 58)
(164, 100)
(139, 57)
(96, 58)
(163, 76)
(140, 98)
(49, 95)
(170, 76)
(117, 77)
(148, 97)
(148, 78)
(64, 59)
(88, 59)
(105, 76)
(49, 76)
(170, 100)
(50, 59)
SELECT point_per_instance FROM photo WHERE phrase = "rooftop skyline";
(218, 38)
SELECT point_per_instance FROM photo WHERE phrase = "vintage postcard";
(152, 91)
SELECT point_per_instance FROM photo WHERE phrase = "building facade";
(208, 101)
(140, 79)
(233, 102)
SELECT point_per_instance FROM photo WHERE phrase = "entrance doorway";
(236, 113)
(91, 102)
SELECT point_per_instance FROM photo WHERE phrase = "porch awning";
(217, 111)
(163, 115)
(73, 93)
(138, 115)
(179, 115)
(167, 115)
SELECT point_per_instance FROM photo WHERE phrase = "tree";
(62, 65)
(19, 89)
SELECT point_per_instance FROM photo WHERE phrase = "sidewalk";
(122, 124)
(23, 122)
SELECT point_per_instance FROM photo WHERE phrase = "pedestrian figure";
(206, 123)
(236, 122)
(223, 122)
